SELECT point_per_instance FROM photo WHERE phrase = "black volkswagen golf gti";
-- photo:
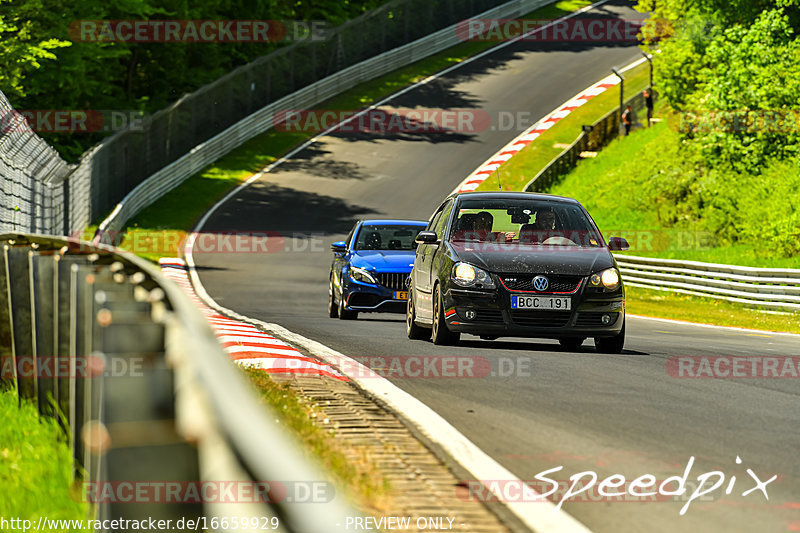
(516, 265)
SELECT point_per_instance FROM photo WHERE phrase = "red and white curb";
(245, 344)
(511, 149)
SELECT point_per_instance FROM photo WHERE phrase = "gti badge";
(540, 283)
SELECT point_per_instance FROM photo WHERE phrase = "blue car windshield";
(387, 237)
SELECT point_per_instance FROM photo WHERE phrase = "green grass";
(35, 465)
(179, 209)
(662, 304)
(525, 165)
(357, 475)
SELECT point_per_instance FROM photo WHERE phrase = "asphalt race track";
(539, 407)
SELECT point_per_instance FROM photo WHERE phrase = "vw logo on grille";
(540, 283)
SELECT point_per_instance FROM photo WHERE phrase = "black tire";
(440, 334)
(413, 330)
(333, 311)
(345, 314)
(611, 344)
(571, 344)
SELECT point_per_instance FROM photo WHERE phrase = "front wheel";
(413, 330)
(611, 344)
(441, 335)
(333, 311)
(344, 313)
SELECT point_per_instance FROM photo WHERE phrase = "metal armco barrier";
(101, 340)
(772, 288)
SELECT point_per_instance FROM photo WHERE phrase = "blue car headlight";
(467, 275)
(359, 274)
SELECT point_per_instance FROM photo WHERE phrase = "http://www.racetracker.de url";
(201, 523)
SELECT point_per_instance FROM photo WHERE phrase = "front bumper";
(494, 317)
(373, 299)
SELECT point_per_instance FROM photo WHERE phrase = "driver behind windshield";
(545, 220)
(484, 221)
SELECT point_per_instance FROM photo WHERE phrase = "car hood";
(384, 260)
(534, 259)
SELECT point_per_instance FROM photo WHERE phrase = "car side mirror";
(426, 237)
(617, 244)
(339, 247)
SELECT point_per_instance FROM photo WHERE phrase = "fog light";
(605, 319)
(470, 315)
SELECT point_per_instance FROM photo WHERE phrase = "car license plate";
(539, 302)
(401, 295)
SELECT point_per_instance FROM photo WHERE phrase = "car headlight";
(359, 274)
(608, 278)
(467, 275)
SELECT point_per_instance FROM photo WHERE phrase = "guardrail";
(206, 153)
(100, 339)
(771, 288)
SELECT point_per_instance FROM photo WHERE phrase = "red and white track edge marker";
(245, 344)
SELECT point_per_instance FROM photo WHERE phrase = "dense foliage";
(730, 73)
(45, 67)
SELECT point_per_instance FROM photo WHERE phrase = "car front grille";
(540, 319)
(392, 280)
(557, 283)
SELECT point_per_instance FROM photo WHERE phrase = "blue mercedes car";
(369, 269)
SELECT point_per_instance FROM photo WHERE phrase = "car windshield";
(523, 222)
(387, 237)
